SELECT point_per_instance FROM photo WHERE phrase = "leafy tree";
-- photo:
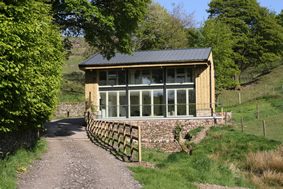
(259, 38)
(31, 56)
(107, 25)
(162, 30)
(279, 18)
(219, 36)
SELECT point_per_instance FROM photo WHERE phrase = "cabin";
(151, 84)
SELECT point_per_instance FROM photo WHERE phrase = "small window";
(189, 75)
(157, 76)
(121, 78)
(171, 76)
(112, 77)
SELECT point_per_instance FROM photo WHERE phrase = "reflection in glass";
(135, 103)
(157, 76)
(102, 78)
(122, 104)
(171, 76)
(112, 76)
(112, 104)
(158, 103)
(145, 76)
(146, 103)
(121, 78)
(171, 102)
(103, 104)
(189, 75)
(181, 102)
(192, 101)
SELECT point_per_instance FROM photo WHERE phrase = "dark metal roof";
(140, 57)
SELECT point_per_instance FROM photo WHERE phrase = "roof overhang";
(143, 65)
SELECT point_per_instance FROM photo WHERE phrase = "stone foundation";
(11, 141)
(70, 109)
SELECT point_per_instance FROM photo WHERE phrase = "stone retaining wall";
(11, 141)
(159, 134)
(70, 109)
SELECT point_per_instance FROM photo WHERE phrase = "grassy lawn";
(218, 159)
(17, 162)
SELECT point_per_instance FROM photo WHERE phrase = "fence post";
(240, 98)
(139, 133)
(222, 115)
(264, 128)
(226, 118)
(242, 123)
(257, 112)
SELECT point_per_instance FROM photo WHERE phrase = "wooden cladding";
(120, 136)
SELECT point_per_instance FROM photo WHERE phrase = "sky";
(199, 7)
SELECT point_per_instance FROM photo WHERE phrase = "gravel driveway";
(72, 161)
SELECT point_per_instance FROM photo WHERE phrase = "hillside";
(267, 93)
(73, 78)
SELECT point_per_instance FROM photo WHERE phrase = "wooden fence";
(121, 135)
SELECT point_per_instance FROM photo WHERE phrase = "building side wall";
(91, 89)
(212, 80)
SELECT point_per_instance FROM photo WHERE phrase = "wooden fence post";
(257, 112)
(222, 115)
(140, 152)
(240, 101)
(264, 128)
(226, 118)
(242, 123)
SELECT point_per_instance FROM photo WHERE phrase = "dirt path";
(72, 161)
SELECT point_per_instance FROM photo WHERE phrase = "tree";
(31, 56)
(279, 18)
(258, 37)
(106, 25)
(162, 30)
(219, 36)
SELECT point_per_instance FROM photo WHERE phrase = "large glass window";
(122, 104)
(112, 104)
(158, 103)
(146, 103)
(112, 78)
(135, 103)
(179, 75)
(178, 102)
(146, 76)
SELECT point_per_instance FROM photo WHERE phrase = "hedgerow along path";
(72, 161)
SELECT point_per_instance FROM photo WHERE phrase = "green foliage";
(30, 64)
(193, 132)
(177, 132)
(219, 36)
(106, 25)
(161, 30)
(258, 37)
(18, 162)
(279, 18)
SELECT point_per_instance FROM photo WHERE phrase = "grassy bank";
(219, 159)
(265, 95)
(17, 162)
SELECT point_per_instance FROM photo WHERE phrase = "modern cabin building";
(151, 84)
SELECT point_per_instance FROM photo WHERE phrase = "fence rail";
(126, 136)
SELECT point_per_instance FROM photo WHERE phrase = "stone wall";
(70, 109)
(13, 140)
(159, 134)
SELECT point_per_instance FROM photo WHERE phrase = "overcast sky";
(200, 6)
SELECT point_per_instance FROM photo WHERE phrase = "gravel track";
(72, 161)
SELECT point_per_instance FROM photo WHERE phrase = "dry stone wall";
(70, 109)
(159, 134)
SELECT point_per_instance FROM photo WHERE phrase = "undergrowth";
(17, 162)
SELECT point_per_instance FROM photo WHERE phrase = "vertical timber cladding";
(205, 92)
(91, 89)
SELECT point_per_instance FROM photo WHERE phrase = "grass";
(219, 159)
(17, 162)
(73, 79)
(266, 93)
